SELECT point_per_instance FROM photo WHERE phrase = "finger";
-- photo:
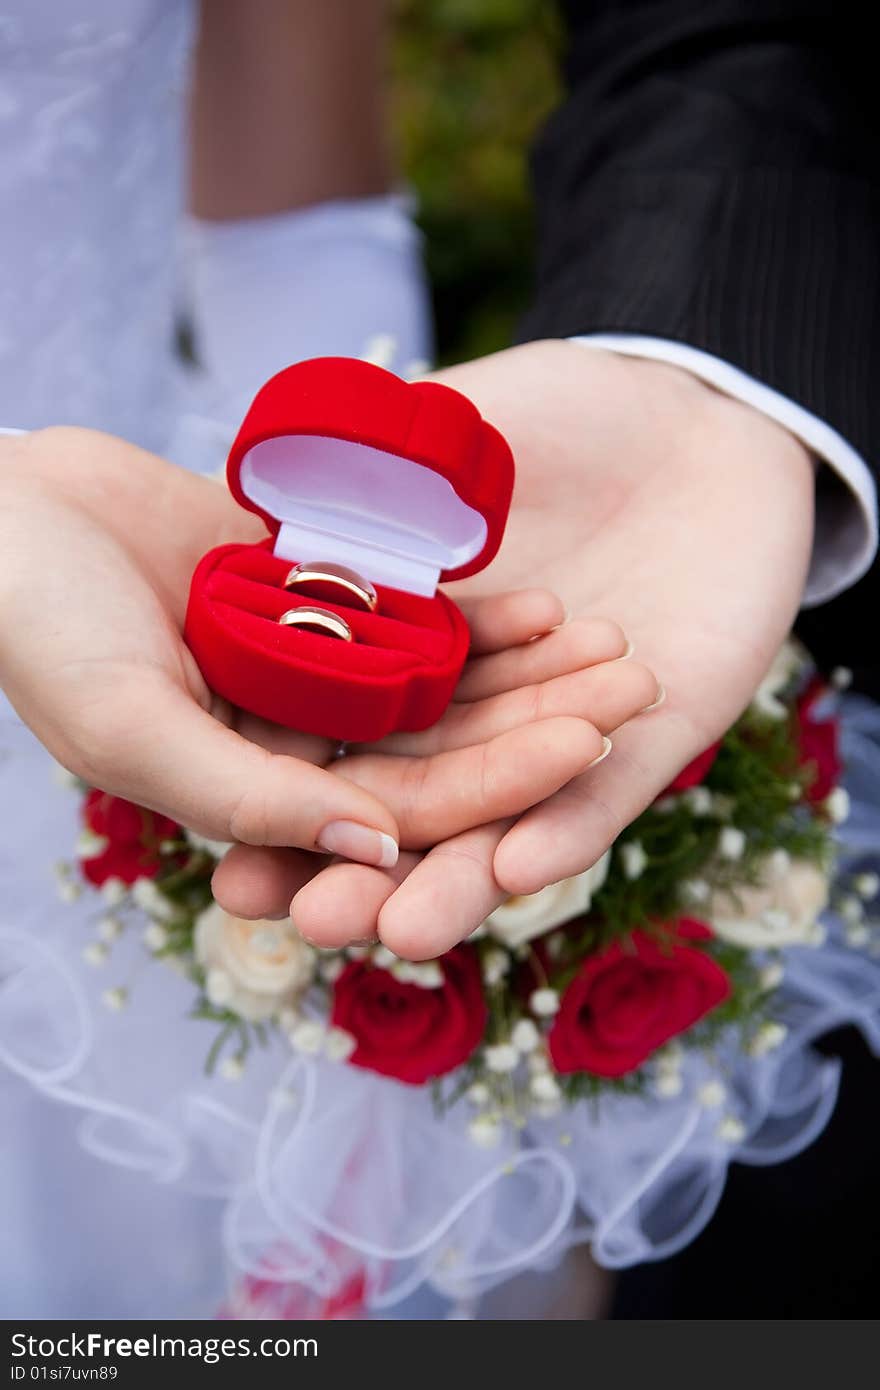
(311, 748)
(341, 906)
(607, 695)
(581, 643)
(160, 748)
(259, 881)
(436, 797)
(445, 898)
(573, 829)
(505, 620)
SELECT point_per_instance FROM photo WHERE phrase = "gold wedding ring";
(318, 620)
(334, 584)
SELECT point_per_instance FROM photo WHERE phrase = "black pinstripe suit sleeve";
(711, 177)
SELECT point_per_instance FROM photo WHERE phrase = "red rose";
(627, 1001)
(134, 836)
(818, 744)
(406, 1031)
(695, 772)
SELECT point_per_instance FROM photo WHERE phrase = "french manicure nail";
(607, 745)
(660, 697)
(360, 843)
(630, 648)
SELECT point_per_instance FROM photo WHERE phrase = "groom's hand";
(644, 495)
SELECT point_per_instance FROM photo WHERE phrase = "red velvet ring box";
(403, 482)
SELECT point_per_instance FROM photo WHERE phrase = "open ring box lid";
(403, 482)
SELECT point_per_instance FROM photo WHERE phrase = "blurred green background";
(472, 81)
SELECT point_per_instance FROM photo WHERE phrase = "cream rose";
(522, 918)
(254, 968)
(782, 909)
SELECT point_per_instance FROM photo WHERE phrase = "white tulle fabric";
(321, 1173)
(92, 281)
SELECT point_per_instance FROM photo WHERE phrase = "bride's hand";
(97, 543)
(643, 494)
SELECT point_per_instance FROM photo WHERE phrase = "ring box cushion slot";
(406, 484)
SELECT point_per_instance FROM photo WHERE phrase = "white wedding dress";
(130, 1184)
(92, 165)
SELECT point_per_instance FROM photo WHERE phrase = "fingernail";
(607, 745)
(630, 648)
(360, 843)
(661, 696)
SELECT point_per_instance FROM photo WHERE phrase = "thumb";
(182, 762)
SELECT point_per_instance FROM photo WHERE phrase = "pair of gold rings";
(339, 584)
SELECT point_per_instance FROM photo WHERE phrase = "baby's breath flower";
(331, 968)
(525, 1035)
(669, 1084)
(545, 1087)
(766, 1039)
(501, 1057)
(851, 909)
(231, 1068)
(731, 1130)
(837, 805)
(544, 1002)
(478, 1093)
(485, 1131)
(634, 859)
(695, 890)
(151, 899)
(115, 998)
(731, 843)
(712, 1094)
(113, 891)
(699, 799)
(96, 953)
(496, 964)
(867, 886)
(339, 1044)
(155, 936)
(109, 929)
(778, 864)
(771, 975)
(308, 1037)
(89, 845)
(428, 974)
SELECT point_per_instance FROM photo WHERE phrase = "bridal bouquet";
(674, 941)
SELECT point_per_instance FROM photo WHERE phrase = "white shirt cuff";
(845, 541)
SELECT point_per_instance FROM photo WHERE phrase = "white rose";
(522, 918)
(777, 911)
(267, 965)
